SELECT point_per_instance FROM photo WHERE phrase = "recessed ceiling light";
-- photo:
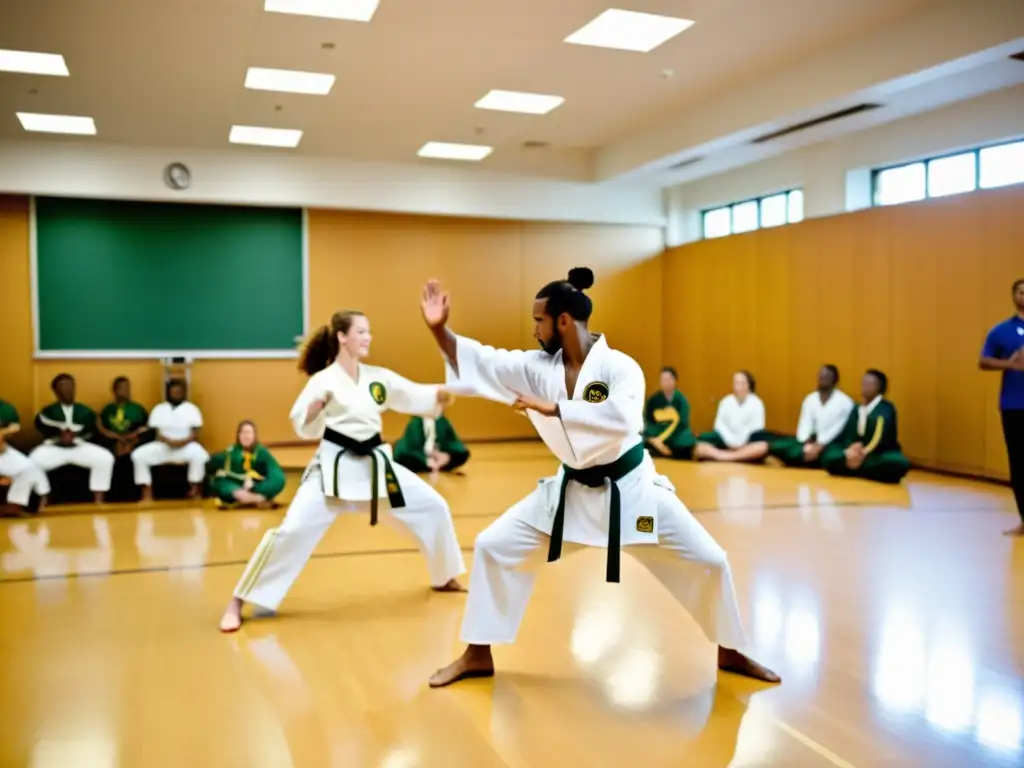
(444, 151)
(514, 101)
(629, 30)
(265, 137)
(349, 10)
(81, 126)
(31, 63)
(288, 81)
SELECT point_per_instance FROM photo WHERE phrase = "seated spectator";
(667, 430)
(25, 475)
(246, 474)
(739, 425)
(176, 424)
(67, 428)
(430, 445)
(123, 422)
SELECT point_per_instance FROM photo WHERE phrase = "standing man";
(1004, 351)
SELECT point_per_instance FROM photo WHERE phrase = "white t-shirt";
(175, 422)
(736, 421)
(823, 420)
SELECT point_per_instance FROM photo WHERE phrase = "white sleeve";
(831, 430)
(410, 398)
(314, 390)
(755, 419)
(154, 421)
(593, 428)
(723, 425)
(197, 417)
(482, 371)
(805, 428)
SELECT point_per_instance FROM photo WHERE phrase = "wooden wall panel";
(377, 263)
(910, 289)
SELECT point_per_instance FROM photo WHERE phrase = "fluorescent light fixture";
(444, 151)
(288, 81)
(31, 63)
(265, 137)
(514, 101)
(349, 10)
(629, 30)
(82, 126)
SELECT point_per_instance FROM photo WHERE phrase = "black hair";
(751, 381)
(119, 380)
(670, 369)
(568, 295)
(883, 380)
(833, 370)
(59, 378)
(171, 383)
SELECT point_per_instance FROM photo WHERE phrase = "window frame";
(732, 217)
(927, 161)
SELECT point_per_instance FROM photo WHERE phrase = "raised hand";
(434, 304)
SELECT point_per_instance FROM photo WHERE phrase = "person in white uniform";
(26, 476)
(739, 433)
(176, 423)
(822, 417)
(67, 427)
(586, 401)
(352, 471)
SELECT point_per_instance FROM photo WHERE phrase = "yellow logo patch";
(645, 524)
(595, 392)
(378, 392)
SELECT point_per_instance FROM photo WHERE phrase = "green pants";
(715, 439)
(790, 452)
(224, 488)
(415, 462)
(884, 467)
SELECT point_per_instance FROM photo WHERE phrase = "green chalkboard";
(135, 278)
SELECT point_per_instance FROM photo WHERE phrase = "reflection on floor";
(895, 616)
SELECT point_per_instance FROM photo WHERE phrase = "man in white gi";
(176, 422)
(67, 427)
(586, 402)
(822, 418)
(26, 476)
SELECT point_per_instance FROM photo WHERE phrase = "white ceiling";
(170, 73)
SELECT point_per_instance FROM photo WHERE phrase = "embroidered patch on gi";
(645, 524)
(595, 392)
(378, 392)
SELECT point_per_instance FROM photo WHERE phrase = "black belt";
(594, 477)
(371, 449)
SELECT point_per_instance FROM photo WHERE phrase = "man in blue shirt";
(1004, 351)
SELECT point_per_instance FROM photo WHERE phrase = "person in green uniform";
(430, 445)
(246, 473)
(68, 427)
(823, 418)
(123, 422)
(869, 444)
(667, 420)
(25, 475)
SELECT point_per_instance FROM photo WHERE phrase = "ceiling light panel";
(71, 124)
(289, 81)
(515, 101)
(629, 30)
(265, 137)
(32, 63)
(348, 10)
(441, 150)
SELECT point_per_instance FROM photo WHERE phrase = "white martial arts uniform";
(735, 422)
(52, 455)
(175, 422)
(600, 422)
(823, 421)
(338, 480)
(26, 476)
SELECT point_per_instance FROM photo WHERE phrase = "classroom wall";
(910, 289)
(376, 263)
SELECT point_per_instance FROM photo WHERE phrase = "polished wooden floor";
(894, 615)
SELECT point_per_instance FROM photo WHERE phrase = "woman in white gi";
(586, 401)
(352, 471)
(739, 433)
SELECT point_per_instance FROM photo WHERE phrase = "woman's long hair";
(321, 348)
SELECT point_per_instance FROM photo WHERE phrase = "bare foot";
(147, 493)
(232, 618)
(735, 662)
(99, 497)
(476, 661)
(1018, 531)
(452, 585)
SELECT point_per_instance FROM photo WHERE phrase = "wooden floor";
(894, 615)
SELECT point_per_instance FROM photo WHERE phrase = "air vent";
(1018, 56)
(843, 113)
(529, 144)
(684, 163)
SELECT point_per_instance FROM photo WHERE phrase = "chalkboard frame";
(158, 354)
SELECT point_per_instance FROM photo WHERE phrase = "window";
(984, 168)
(748, 215)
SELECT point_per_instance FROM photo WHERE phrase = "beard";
(553, 345)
